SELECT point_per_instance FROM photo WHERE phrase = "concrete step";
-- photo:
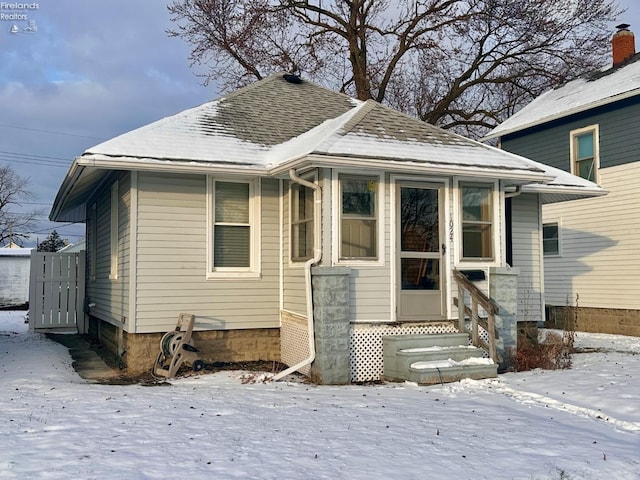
(431, 359)
(402, 342)
(403, 359)
(431, 373)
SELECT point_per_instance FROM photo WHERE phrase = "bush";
(551, 352)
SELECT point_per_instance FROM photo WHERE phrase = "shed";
(15, 264)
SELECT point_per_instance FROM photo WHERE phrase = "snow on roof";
(584, 93)
(262, 128)
(385, 133)
(241, 128)
(15, 252)
(564, 186)
(273, 121)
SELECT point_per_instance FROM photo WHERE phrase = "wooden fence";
(56, 292)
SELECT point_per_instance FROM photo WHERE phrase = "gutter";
(332, 161)
(166, 165)
(69, 181)
(317, 256)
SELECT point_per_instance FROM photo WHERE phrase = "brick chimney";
(623, 44)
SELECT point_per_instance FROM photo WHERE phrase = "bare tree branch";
(14, 226)
(462, 64)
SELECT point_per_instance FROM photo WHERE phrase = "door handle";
(444, 249)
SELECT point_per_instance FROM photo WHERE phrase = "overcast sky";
(88, 71)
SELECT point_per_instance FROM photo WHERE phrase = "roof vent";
(623, 44)
(291, 78)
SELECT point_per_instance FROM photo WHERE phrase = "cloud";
(93, 69)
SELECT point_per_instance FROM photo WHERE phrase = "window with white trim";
(358, 217)
(551, 239)
(477, 221)
(585, 152)
(233, 225)
(302, 234)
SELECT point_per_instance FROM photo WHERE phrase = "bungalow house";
(591, 127)
(301, 225)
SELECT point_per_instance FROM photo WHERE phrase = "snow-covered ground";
(582, 423)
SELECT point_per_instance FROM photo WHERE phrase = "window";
(113, 272)
(232, 226)
(550, 239)
(477, 221)
(584, 153)
(301, 222)
(358, 217)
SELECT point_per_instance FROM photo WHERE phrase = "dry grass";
(551, 352)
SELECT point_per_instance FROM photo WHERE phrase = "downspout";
(317, 256)
(515, 193)
(507, 195)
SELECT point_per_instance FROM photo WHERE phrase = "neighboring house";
(591, 127)
(221, 210)
(74, 247)
(15, 264)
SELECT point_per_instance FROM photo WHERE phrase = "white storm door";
(420, 251)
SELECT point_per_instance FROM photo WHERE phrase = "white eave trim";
(67, 185)
(166, 165)
(564, 190)
(408, 166)
(564, 113)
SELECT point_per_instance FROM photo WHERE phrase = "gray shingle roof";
(265, 128)
(271, 121)
(238, 128)
(274, 111)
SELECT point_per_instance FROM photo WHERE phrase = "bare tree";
(464, 64)
(14, 226)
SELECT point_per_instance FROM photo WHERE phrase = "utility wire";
(52, 132)
(32, 155)
(33, 159)
(44, 164)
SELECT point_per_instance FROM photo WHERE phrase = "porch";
(347, 352)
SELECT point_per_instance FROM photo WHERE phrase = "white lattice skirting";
(294, 340)
(366, 345)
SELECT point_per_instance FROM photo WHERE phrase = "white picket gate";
(56, 292)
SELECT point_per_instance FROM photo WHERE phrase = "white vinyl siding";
(370, 285)
(527, 242)
(172, 259)
(92, 242)
(600, 245)
(110, 294)
(114, 244)
(294, 295)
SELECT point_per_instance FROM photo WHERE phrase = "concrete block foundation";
(137, 352)
(617, 321)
